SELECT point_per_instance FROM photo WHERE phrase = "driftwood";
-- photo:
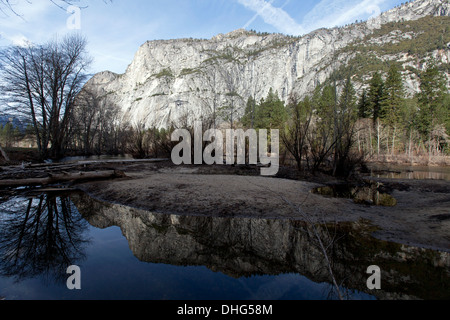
(45, 174)
(92, 162)
(123, 161)
(61, 178)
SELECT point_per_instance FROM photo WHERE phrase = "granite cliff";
(170, 81)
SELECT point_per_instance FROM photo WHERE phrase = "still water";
(126, 253)
(392, 171)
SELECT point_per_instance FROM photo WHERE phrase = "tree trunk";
(387, 142)
(410, 145)
(4, 154)
(378, 139)
(393, 141)
(359, 142)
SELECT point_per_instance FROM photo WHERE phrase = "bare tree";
(324, 240)
(41, 83)
(141, 139)
(295, 135)
(321, 144)
(86, 120)
(213, 102)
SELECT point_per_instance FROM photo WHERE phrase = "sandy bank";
(420, 218)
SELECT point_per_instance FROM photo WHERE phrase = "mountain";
(16, 122)
(170, 81)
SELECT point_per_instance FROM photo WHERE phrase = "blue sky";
(116, 30)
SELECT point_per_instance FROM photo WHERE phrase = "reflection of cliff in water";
(243, 247)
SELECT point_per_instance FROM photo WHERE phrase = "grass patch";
(167, 72)
(188, 71)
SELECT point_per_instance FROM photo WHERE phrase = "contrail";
(276, 17)
(256, 16)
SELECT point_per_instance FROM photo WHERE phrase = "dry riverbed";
(420, 218)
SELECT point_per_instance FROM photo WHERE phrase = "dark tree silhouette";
(40, 236)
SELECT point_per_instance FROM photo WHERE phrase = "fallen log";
(121, 161)
(27, 167)
(92, 162)
(62, 178)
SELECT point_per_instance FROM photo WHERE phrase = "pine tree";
(446, 109)
(432, 97)
(325, 99)
(434, 114)
(393, 97)
(393, 102)
(375, 95)
(8, 134)
(248, 120)
(347, 101)
(271, 113)
(364, 105)
(345, 116)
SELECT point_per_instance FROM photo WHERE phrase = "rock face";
(172, 81)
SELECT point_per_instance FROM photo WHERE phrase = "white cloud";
(19, 40)
(276, 17)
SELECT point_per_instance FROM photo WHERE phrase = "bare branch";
(7, 7)
(311, 227)
(41, 83)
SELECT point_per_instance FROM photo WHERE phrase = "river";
(125, 253)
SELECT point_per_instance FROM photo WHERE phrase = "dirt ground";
(420, 218)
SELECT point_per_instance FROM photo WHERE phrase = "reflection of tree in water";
(40, 236)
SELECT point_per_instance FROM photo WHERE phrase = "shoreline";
(421, 216)
(413, 161)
